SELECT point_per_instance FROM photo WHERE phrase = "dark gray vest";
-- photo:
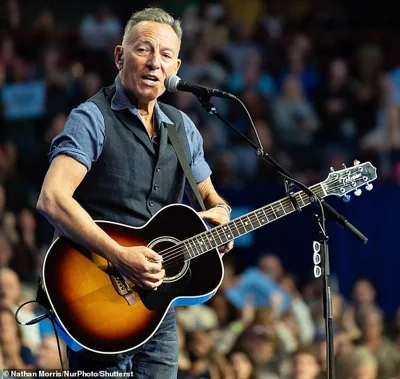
(132, 180)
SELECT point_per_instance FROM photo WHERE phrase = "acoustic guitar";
(98, 309)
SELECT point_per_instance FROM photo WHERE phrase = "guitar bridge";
(121, 285)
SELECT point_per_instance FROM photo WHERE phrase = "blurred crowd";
(258, 325)
(316, 102)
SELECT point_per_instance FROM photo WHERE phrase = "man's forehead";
(148, 30)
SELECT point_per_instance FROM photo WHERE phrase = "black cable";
(313, 197)
(58, 344)
(35, 320)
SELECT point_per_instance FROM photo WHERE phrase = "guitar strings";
(216, 233)
(175, 252)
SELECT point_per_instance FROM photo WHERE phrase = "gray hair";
(155, 15)
(361, 357)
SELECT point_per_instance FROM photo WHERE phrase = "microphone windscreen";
(171, 83)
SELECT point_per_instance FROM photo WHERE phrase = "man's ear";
(178, 64)
(118, 56)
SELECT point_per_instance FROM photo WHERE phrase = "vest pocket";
(122, 172)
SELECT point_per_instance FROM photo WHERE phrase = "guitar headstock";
(348, 179)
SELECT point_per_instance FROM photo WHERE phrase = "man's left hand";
(218, 216)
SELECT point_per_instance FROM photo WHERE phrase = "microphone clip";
(289, 185)
(205, 103)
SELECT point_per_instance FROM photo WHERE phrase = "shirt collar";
(120, 102)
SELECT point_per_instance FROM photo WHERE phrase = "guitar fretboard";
(220, 235)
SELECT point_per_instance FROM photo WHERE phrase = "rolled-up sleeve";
(200, 168)
(82, 137)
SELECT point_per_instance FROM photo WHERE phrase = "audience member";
(11, 297)
(101, 29)
(242, 366)
(47, 355)
(305, 364)
(362, 364)
(387, 354)
(15, 354)
(295, 122)
(335, 101)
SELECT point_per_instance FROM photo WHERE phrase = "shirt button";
(151, 203)
(156, 187)
(158, 169)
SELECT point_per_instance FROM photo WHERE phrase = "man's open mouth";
(150, 77)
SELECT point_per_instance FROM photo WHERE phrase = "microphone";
(174, 83)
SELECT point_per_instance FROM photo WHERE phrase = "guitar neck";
(218, 236)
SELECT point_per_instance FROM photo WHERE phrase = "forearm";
(213, 199)
(73, 222)
(209, 194)
(218, 211)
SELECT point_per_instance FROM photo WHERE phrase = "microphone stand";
(325, 209)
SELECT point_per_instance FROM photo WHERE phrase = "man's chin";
(148, 94)
(142, 95)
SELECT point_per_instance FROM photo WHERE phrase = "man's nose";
(154, 61)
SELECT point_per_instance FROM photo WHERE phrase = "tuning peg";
(343, 165)
(357, 192)
(332, 169)
(369, 187)
(346, 198)
(356, 162)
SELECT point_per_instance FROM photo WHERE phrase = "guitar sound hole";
(173, 258)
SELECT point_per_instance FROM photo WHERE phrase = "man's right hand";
(141, 265)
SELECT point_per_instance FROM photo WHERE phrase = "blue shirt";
(84, 132)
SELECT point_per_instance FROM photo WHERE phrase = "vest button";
(156, 187)
(158, 169)
(151, 203)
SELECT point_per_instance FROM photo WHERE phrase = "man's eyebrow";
(145, 41)
(149, 43)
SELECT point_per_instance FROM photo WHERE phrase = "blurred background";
(321, 79)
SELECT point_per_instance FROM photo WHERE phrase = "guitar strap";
(176, 144)
(175, 114)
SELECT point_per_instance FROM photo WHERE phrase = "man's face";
(364, 292)
(9, 289)
(305, 366)
(148, 57)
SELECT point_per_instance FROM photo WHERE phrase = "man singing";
(112, 162)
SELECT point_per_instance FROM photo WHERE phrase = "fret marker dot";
(263, 220)
(229, 236)
(246, 223)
